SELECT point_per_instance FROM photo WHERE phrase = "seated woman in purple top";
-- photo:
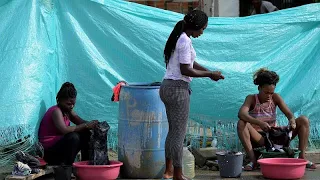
(61, 141)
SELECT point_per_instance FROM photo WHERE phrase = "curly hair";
(265, 77)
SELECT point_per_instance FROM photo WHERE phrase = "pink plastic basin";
(97, 172)
(282, 168)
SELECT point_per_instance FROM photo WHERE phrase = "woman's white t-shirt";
(184, 53)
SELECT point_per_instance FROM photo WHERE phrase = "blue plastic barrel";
(142, 131)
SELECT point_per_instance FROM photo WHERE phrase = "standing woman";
(175, 89)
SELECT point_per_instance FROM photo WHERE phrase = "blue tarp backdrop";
(94, 44)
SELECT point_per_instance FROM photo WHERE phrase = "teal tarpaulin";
(95, 44)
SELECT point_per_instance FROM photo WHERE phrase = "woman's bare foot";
(168, 175)
(178, 175)
(182, 177)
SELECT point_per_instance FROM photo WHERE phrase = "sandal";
(311, 165)
(249, 167)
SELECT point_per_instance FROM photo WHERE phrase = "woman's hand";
(216, 76)
(265, 126)
(92, 124)
(292, 123)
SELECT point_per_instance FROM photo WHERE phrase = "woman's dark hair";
(66, 91)
(194, 20)
(265, 77)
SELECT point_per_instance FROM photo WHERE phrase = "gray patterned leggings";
(175, 94)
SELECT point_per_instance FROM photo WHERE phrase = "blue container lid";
(137, 85)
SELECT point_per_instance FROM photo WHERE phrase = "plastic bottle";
(188, 163)
(214, 143)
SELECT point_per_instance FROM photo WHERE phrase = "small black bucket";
(230, 164)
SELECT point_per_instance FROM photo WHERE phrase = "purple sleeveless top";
(48, 132)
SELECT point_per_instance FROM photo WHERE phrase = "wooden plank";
(42, 172)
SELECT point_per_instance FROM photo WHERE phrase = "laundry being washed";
(278, 140)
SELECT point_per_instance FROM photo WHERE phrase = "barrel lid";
(139, 85)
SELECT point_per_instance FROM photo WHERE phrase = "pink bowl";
(282, 168)
(97, 172)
